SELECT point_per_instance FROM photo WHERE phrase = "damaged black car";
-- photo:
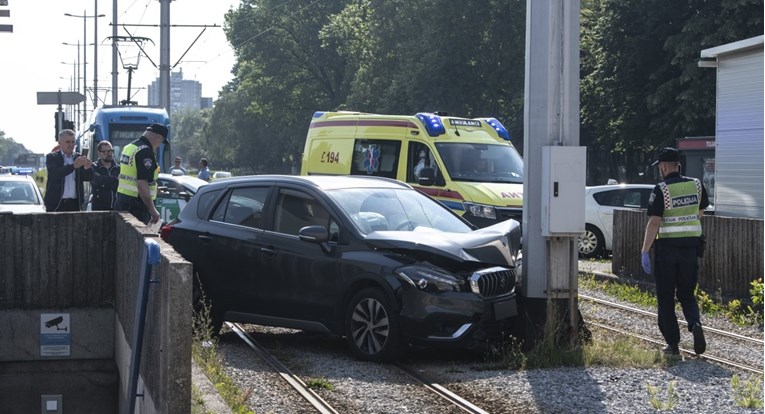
(367, 258)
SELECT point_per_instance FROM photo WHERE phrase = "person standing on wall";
(67, 170)
(137, 187)
(675, 209)
(204, 170)
(105, 178)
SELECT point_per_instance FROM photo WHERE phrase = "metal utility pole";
(115, 52)
(95, 54)
(164, 55)
(554, 170)
(85, 17)
(79, 88)
(164, 50)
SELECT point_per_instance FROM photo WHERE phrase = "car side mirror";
(314, 234)
(427, 176)
(184, 195)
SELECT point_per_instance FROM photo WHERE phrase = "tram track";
(724, 347)
(680, 321)
(314, 360)
(321, 405)
(293, 380)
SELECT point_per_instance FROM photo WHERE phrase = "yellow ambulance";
(469, 165)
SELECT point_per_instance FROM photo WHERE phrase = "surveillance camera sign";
(55, 335)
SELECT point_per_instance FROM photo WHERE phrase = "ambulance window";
(376, 157)
(420, 156)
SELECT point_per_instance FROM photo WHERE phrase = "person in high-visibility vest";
(137, 187)
(675, 209)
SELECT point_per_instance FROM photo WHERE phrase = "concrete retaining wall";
(86, 266)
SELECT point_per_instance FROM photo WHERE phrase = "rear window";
(243, 206)
(205, 203)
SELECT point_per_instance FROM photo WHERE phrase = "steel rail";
(296, 383)
(683, 350)
(455, 399)
(643, 312)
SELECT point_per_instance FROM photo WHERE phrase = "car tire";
(591, 243)
(372, 327)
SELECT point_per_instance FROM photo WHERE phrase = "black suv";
(367, 258)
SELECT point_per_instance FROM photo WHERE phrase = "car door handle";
(268, 250)
(205, 239)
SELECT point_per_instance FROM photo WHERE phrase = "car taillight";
(164, 232)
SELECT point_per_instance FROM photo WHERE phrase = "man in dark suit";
(67, 170)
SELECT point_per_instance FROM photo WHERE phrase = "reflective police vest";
(681, 209)
(129, 172)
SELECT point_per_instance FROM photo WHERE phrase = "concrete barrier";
(84, 268)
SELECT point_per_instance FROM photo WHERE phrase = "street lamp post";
(85, 18)
(75, 86)
(84, 119)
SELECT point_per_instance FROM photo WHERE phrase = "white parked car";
(20, 194)
(599, 205)
(217, 175)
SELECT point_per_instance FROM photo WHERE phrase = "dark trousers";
(134, 206)
(68, 204)
(676, 272)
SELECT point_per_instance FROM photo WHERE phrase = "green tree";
(10, 149)
(284, 75)
(640, 84)
(427, 56)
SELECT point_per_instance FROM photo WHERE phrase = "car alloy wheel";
(591, 244)
(371, 327)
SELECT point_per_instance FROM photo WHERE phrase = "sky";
(35, 60)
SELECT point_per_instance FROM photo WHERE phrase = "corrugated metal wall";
(740, 142)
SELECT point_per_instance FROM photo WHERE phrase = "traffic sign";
(59, 98)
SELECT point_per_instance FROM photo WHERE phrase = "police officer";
(137, 187)
(675, 209)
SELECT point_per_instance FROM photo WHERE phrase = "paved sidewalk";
(212, 401)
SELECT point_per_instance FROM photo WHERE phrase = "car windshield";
(484, 163)
(381, 209)
(18, 192)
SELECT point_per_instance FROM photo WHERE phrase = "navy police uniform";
(142, 165)
(677, 200)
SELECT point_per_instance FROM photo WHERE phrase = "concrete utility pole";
(95, 55)
(115, 52)
(554, 170)
(164, 54)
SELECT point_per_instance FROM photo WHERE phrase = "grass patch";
(603, 350)
(747, 393)
(668, 402)
(320, 384)
(735, 311)
(628, 293)
(204, 352)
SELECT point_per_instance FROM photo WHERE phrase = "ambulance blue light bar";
(501, 130)
(318, 114)
(432, 122)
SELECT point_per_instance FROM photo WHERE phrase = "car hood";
(496, 245)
